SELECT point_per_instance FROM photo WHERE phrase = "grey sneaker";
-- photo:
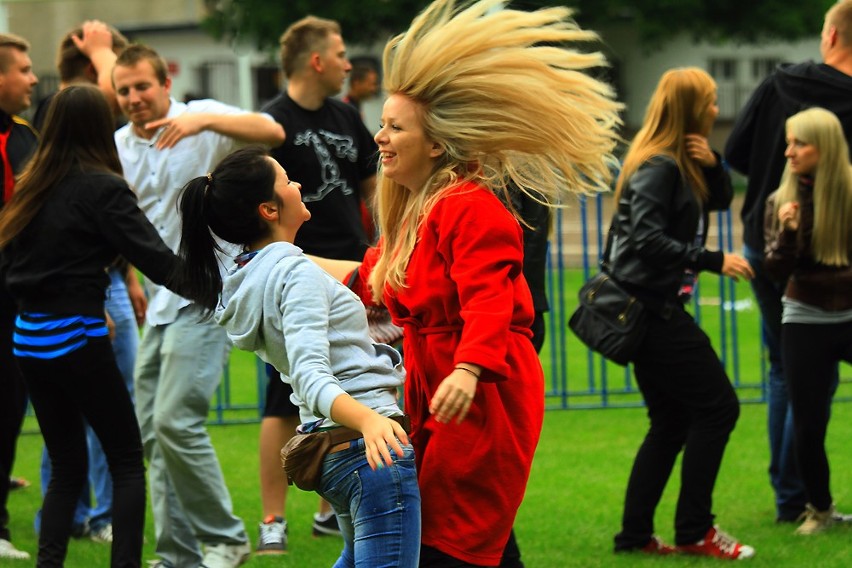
(273, 536)
(225, 555)
(816, 521)
(102, 534)
(9, 552)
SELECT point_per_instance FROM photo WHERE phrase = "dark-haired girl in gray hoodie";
(313, 329)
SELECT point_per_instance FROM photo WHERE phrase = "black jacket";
(655, 226)
(538, 217)
(789, 257)
(20, 146)
(57, 264)
(756, 144)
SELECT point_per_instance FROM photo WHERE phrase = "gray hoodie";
(313, 329)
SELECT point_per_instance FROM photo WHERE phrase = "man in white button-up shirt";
(179, 364)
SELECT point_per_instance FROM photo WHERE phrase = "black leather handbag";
(609, 320)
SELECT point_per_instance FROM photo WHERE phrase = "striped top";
(50, 336)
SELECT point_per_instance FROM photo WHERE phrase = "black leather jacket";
(655, 227)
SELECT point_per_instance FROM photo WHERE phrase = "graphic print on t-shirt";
(323, 144)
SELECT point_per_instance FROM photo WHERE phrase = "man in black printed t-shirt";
(328, 149)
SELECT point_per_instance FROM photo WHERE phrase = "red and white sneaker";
(718, 544)
(657, 546)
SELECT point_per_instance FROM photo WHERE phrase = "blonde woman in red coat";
(473, 106)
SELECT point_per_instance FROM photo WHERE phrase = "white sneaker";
(9, 552)
(225, 555)
(103, 534)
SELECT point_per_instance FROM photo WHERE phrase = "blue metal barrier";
(576, 377)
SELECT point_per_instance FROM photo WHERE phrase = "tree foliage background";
(261, 22)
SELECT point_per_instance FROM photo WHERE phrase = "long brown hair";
(78, 135)
(678, 107)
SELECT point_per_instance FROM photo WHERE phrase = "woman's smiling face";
(407, 156)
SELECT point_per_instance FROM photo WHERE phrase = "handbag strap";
(605, 261)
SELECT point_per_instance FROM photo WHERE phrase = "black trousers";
(810, 353)
(433, 558)
(86, 384)
(692, 407)
(13, 404)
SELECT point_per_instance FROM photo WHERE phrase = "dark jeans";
(13, 404)
(692, 407)
(789, 490)
(86, 384)
(811, 353)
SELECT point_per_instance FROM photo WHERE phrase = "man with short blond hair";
(179, 365)
(17, 143)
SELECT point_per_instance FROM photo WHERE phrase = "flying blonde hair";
(831, 242)
(678, 107)
(508, 103)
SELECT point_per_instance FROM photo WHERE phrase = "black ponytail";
(224, 202)
(198, 275)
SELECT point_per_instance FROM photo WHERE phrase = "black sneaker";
(80, 530)
(273, 536)
(326, 525)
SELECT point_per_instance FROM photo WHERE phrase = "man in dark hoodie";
(755, 148)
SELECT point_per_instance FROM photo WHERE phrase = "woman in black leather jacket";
(811, 251)
(670, 180)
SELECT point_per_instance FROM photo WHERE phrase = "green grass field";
(573, 503)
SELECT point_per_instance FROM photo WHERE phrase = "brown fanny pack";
(303, 454)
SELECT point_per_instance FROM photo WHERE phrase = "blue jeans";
(378, 511)
(100, 481)
(790, 495)
(178, 370)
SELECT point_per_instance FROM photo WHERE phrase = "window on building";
(724, 71)
(762, 67)
(218, 80)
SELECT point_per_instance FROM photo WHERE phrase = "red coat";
(467, 301)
